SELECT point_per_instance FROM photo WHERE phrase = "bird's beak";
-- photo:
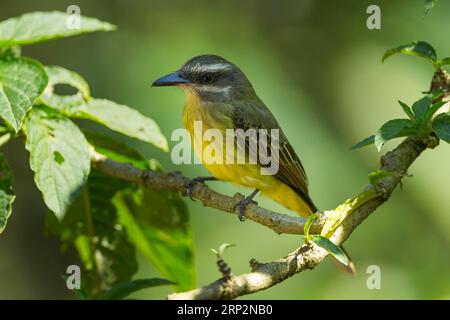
(172, 79)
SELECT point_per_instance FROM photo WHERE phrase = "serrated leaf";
(123, 289)
(421, 106)
(416, 48)
(392, 129)
(365, 142)
(59, 157)
(6, 192)
(331, 248)
(123, 119)
(67, 104)
(43, 26)
(22, 80)
(60, 75)
(407, 110)
(441, 126)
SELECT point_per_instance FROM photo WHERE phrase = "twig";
(265, 275)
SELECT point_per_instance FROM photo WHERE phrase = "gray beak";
(170, 80)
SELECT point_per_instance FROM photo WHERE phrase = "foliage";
(106, 220)
(422, 120)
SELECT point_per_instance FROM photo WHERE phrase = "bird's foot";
(242, 205)
(190, 185)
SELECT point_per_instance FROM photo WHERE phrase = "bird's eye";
(206, 78)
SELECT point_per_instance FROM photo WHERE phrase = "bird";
(220, 96)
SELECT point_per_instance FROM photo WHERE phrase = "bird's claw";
(242, 205)
(191, 184)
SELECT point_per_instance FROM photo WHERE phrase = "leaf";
(421, 106)
(59, 157)
(123, 289)
(67, 104)
(407, 110)
(43, 26)
(443, 62)
(6, 192)
(428, 5)
(432, 110)
(123, 119)
(441, 126)
(91, 226)
(392, 129)
(157, 223)
(331, 248)
(22, 80)
(365, 142)
(308, 224)
(416, 48)
(60, 75)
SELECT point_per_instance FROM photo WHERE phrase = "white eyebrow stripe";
(216, 89)
(211, 67)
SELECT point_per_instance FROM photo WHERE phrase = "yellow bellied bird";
(220, 96)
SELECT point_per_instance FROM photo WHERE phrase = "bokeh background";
(318, 67)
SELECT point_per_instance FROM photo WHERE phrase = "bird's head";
(211, 77)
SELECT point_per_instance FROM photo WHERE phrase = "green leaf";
(43, 26)
(407, 110)
(416, 48)
(432, 110)
(59, 157)
(91, 226)
(331, 248)
(443, 62)
(67, 104)
(123, 119)
(157, 223)
(365, 142)
(123, 289)
(421, 106)
(428, 5)
(22, 80)
(60, 75)
(308, 224)
(393, 129)
(441, 126)
(6, 192)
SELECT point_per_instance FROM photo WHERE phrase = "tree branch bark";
(264, 275)
(280, 223)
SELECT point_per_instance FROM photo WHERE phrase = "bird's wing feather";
(291, 172)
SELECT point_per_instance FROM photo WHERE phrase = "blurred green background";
(318, 68)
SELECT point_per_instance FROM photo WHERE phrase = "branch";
(280, 223)
(308, 256)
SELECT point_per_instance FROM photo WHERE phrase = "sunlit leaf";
(416, 48)
(43, 26)
(22, 80)
(59, 157)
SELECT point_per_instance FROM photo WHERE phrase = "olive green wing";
(291, 172)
